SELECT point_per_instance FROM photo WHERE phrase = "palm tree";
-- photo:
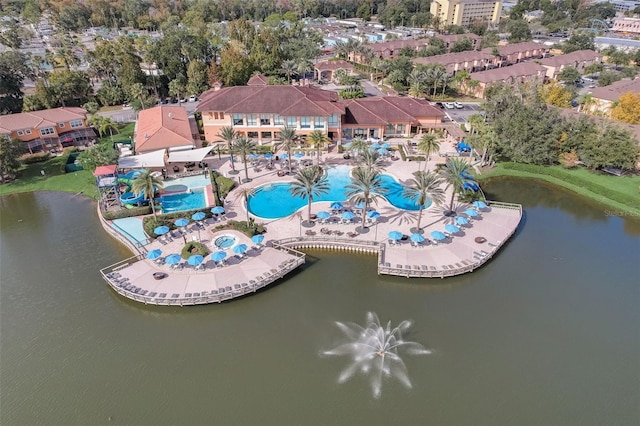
(428, 145)
(287, 137)
(243, 146)
(229, 135)
(288, 68)
(365, 187)
(423, 187)
(245, 192)
(456, 174)
(303, 67)
(317, 138)
(359, 145)
(310, 183)
(370, 159)
(146, 183)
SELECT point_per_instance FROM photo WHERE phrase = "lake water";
(547, 333)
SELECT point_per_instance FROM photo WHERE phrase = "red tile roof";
(522, 69)
(40, 119)
(613, 91)
(162, 127)
(570, 58)
(333, 65)
(258, 80)
(510, 49)
(389, 109)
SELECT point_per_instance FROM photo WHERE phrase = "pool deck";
(458, 254)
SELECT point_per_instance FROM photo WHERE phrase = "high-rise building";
(466, 12)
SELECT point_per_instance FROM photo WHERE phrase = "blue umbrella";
(347, 145)
(268, 156)
(154, 254)
(359, 205)
(417, 238)
(195, 259)
(161, 230)
(372, 214)
(348, 215)
(284, 156)
(385, 146)
(480, 204)
(451, 228)
(461, 220)
(323, 215)
(253, 156)
(395, 235)
(218, 256)
(336, 205)
(375, 145)
(181, 222)
(217, 210)
(471, 212)
(257, 239)
(383, 151)
(173, 259)
(198, 216)
(298, 155)
(438, 236)
(240, 248)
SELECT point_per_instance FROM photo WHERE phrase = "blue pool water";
(132, 229)
(183, 201)
(273, 201)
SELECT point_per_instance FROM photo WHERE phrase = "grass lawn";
(55, 179)
(621, 193)
(125, 132)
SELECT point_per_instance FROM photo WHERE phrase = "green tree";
(569, 75)
(288, 68)
(456, 175)
(101, 154)
(370, 159)
(243, 146)
(428, 145)
(579, 40)
(13, 70)
(423, 187)
(287, 138)
(64, 88)
(309, 183)
(359, 145)
(615, 147)
(462, 45)
(518, 31)
(318, 140)
(10, 152)
(556, 95)
(229, 135)
(178, 88)
(147, 183)
(608, 77)
(235, 64)
(104, 125)
(197, 77)
(365, 187)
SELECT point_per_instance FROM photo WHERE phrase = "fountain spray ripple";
(374, 351)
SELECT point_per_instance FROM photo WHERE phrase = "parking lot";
(461, 115)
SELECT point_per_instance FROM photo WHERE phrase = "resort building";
(604, 98)
(510, 54)
(466, 12)
(49, 129)
(325, 70)
(626, 26)
(470, 61)
(260, 112)
(164, 127)
(522, 72)
(580, 59)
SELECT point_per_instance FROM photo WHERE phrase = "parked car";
(440, 104)
(174, 100)
(458, 105)
(193, 98)
(449, 105)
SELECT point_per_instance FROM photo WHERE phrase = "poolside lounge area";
(461, 252)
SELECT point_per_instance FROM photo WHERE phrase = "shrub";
(193, 247)
(35, 158)
(250, 229)
(403, 155)
(122, 213)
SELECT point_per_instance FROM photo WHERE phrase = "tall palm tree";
(229, 135)
(423, 187)
(365, 187)
(318, 139)
(370, 159)
(244, 193)
(428, 145)
(145, 182)
(456, 174)
(303, 66)
(359, 145)
(243, 146)
(288, 68)
(310, 183)
(287, 137)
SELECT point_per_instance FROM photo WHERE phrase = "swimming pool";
(273, 201)
(191, 200)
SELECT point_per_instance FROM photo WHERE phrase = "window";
(215, 115)
(61, 125)
(400, 129)
(47, 131)
(390, 129)
(318, 123)
(333, 120)
(278, 120)
(265, 119)
(305, 122)
(238, 120)
(265, 135)
(75, 123)
(221, 115)
(252, 120)
(28, 131)
(218, 115)
(20, 132)
(252, 135)
(292, 122)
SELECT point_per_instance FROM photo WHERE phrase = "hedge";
(193, 247)
(35, 158)
(122, 213)
(403, 155)
(619, 197)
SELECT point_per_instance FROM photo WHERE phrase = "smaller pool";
(183, 201)
(224, 242)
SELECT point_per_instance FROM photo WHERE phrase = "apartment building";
(604, 98)
(470, 61)
(50, 129)
(466, 12)
(164, 127)
(580, 59)
(510, 54)
(521, 72)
